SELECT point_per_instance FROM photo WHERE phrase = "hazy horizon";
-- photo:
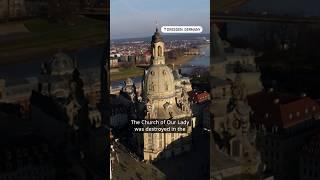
(138, 18)
(166, 35)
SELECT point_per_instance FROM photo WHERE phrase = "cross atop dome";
(157, 26)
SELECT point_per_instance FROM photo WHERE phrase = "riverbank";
(180, 60)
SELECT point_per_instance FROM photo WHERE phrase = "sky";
(138, 18)
(290, 7)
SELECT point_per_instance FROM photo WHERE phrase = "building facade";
(310, 159)
(283, 123)
(12, 9)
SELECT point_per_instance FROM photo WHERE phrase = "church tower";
(163, 100)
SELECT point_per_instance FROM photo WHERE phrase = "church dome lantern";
(157, 47)
(159, 80)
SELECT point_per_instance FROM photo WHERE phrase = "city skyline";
(148, 15)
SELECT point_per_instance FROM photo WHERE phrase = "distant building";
(283, 123)
(192, 51)
(12, 9)
(132, 59)
(114, 62)
(124, 58)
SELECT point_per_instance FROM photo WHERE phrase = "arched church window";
(236, 148)
(153, 86)
(150, 141)
(160, 140)
(166, 86)
(159, 51)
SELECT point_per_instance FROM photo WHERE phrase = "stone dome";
(61, 64)
(159, 82)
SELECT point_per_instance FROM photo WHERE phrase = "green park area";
(124, 73)
(44, 37)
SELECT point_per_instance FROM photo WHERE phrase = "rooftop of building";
(127, 166)
(283, 110)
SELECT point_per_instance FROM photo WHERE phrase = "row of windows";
(313, 162)
(267, 115)
(311, 173)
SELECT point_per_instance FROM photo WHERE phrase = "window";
(313, 108)
(306, 110)
(298, 114)
(160, 140)
(159, 51)
(164, 72)
(290, 116)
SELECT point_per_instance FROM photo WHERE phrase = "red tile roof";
(283, 110)
(199, 96)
